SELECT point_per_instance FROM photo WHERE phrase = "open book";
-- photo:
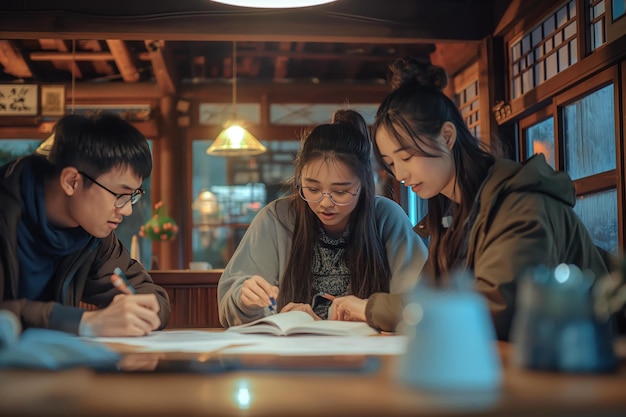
(299, 322)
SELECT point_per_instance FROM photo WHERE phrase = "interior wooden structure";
(175, 55)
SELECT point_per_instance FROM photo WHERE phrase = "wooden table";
(260, 393)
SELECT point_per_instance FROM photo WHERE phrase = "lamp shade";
(274, 4)
(45, 146)
(234, 140)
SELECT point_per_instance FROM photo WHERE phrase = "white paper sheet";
(233, 343)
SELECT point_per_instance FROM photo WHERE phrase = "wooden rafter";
(13, 62)
(102, 67)
(280, 62)
(161, 68)
(123, 60)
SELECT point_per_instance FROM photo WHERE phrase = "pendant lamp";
(235, 140)
(274, 4)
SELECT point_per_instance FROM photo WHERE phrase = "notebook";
(299, 322)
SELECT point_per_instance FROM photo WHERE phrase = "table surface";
(81, 392)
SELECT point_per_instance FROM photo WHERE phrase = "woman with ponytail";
(332, 237)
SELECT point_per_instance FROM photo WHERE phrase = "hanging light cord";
(234, 80)
(73, 72)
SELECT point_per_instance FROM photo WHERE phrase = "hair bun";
(410, 70)
(353, 118)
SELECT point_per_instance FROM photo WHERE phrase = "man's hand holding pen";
(129, 314)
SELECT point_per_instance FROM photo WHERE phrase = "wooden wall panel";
(193, 297)
(193, 306)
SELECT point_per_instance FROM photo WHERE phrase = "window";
(11, 149)
(142, 211)
(313, 114)
(467, 101)
(543, 52)
(589, 134)
(584, 145)
(597, 25)
(599, 214)
(539, 139)
(228, 192)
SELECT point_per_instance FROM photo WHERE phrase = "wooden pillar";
(171, 183)
(492, 88)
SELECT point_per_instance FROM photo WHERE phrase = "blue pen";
(272, 307)
(122, 283)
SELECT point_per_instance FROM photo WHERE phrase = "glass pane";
(222, 207)
(599, 214)
(589, 134)
(11, 149)
(220, 113)
(313, 114)
(539, 138)
(142, 211)
(619, 8)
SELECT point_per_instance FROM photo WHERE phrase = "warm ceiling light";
(274, 4)
(235, 140)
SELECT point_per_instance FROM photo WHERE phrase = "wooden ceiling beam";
(72, 66)
(161, 68)
(281, 62)
(13, 61)
(102, 67)
(123, 60)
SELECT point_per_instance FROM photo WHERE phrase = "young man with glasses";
(56, 232)
(332, 237)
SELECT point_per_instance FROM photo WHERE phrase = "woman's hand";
(256, 292)
(348, 308)
(300, 307)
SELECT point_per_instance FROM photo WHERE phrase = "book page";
(299, 322)
(276, 324)
(334, 328)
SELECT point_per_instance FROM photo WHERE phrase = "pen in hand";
(119, 281)
(272, 307)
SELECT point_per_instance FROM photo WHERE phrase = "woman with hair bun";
(332, 237)
(494, 217)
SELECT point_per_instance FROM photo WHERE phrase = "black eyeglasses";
(120, 199)
(339, 198)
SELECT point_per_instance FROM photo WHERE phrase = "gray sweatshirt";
(265, 248)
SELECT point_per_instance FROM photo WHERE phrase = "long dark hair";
(346, 140)
(414, 114)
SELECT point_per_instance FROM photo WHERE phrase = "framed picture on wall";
(18, 99)
(52, 100)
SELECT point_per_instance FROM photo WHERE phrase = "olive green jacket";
(524, 217)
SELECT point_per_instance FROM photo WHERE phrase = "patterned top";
(265, 250)
(330, 270)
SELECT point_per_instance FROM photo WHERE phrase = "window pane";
(619, 8)
(314, 114)
(589, 134)
(222, 207)
(220, 113)
(540, 139)
(599, 214)
(11, 149)
(142, 211)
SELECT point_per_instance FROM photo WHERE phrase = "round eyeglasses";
(339, 198)
(120, 199)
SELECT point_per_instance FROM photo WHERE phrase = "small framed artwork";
(18, 99)
(52, 100)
